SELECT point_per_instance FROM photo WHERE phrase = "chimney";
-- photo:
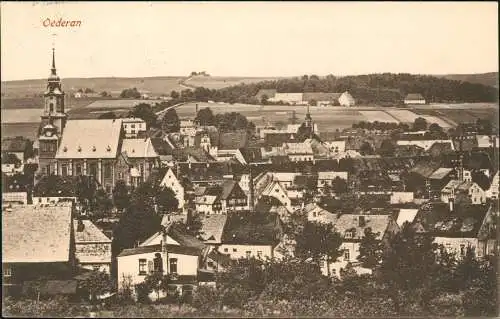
(80, 226)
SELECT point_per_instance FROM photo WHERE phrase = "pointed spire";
(53, 61)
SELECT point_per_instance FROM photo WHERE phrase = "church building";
(94, 147)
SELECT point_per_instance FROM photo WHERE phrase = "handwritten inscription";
(61, 23)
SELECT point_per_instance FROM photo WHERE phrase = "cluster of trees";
(86, 90)
(132, 93)
(386, 88)
(204, 73)
(225, 122)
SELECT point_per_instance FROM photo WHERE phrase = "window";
(78, 169)
(107, 170)
(142, 266)
(51, 107)
(210, 264)
(173, 265)
(346, 255)
(93, 169)
(108, 189)
(226, 250)
(234, 250)
(248, 254)
(132, 126)
(462, 250)
(259, 253)
(96, 267)
(141, 168)
(7, 271)
(64, 169)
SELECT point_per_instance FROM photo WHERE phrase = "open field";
(463, 115)
(379, 116)
(153, 85)
(404, 116)
(218, 82)
(21, 115)
(28, 130)
(117, 104)
(36, 102)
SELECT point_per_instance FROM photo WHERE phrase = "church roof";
(139, 148)
(90, 139)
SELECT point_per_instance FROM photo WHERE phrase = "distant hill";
(114, 85)
(490, 78)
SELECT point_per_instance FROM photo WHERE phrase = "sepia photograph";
(250, 159)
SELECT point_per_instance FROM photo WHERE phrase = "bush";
(55, 307)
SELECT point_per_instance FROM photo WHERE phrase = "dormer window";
(93, 148)
(65, 149)
(79, 148)
(108, 148)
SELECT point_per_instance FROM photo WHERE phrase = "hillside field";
(218, 82)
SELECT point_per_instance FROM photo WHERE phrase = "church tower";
(52, 123)
(54, 99)
(309, 124)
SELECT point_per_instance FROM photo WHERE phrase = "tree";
(145, 112)
(104, 94)
(371, 249)
(171, 122)
(130, 94)
(88, 90)
(366, 149)
(408, 260)
(120, 195)
(318, 241)
(482, 180)
(108, 115)
(174, 95)
(166, 200)
(139, 221)
(205, 117)
(420, 124)
(387, 148)
(264, 99)
(103, 203)
(339, 185)
(313, 102)
(484, 126)
(97, 284)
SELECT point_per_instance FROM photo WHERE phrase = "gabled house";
(414, 98)
(469, 191)
(11, 164)
(247, 236)
(455, 227)
(352, 228)
(207, 200)
(171, 181)
(37, 242)
(142, 155)
(169, 252)
(492, 192)
(232, 197)
(327, 178)
(92, 246)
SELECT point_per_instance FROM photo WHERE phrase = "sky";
(131, 39)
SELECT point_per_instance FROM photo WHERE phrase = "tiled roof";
(321, 96)
(251, 154)
(161, 147)
(251, 230)
(414, 96)
(90, 139)
(89, 234)
(348, 222)
(277, 139)
(183, 238)
(140, 250)
(212, 228)
(425, 169)
(227, 188)
(406, 215)
(197, 154)
(440, 173)
(139, 148)
(33, 234)
(464, 221)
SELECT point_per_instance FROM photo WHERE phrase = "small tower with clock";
(53, 121)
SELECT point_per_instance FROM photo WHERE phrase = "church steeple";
(53, 62)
